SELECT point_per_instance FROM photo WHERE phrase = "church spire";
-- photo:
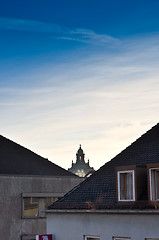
(80, 155)
(81, 168)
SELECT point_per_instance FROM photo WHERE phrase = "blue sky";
(78, 72)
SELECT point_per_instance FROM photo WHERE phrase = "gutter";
(93, 211)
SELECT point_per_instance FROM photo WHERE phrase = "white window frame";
(133, 183)
(91, 236)
(153, 196)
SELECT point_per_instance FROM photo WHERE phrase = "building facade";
(120, 201)
(103, 225)
(28, 185)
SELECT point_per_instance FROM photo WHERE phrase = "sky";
(78, 72)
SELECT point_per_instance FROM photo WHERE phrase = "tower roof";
(80, 168)
(80, 151)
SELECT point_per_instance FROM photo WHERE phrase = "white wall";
(70, 226)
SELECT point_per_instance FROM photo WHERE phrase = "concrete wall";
(12, 223)
(74, 226)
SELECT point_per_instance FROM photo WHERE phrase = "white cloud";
(90, 37)
(59, 32)
(103, 102)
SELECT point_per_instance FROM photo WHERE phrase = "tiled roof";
(15, 159)
(99, 190)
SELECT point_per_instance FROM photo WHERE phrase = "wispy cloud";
(59, 32)
(103, 102)
(30, 26)
(89, 37)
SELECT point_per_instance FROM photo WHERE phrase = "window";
(80, 173)
(154, 183)
(91, 238)
(126, 185)
(121, 238)
(151, 238)
(33, 206)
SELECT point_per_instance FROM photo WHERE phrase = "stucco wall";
(12, 225)
(74, 226)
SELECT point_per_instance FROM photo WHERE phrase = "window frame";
(121, 238)
(151, 238)
(153, 195)
(41, 198)
(133, 185)
(23, 203)
(91, 236)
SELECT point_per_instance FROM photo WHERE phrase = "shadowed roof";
(99, 190)
(15, 159)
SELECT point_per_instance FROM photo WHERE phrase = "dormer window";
(154, 184)
(126, 185)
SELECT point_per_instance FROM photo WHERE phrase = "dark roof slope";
(15, 159)
(99, 190)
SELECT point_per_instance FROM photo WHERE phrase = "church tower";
(81, 168)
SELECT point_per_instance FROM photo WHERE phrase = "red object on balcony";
(44, 237)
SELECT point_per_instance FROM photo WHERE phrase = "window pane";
(80, 173)
(129, 186)
(31, 207)
(122, 185)
(91, 238)
(151, 238)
